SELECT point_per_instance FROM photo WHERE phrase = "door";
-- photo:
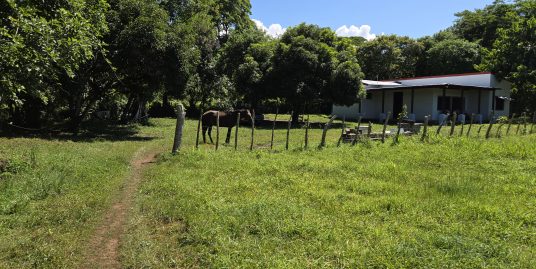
(398, 104)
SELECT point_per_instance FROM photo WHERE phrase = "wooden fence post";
(252, 130)
(273, 128)
(177, 142)
(462, 127)
(519, 123)
(306, 142)
(533, 122)
(369, 129)
(198, 130)
(217, 130)
(488, 132)
(385, 126)
(425, 130)
(342, 131)
(288, 129)
(498, 135)
(325, 132)
(441, 125)
(480, 130)
(236, 131)
(471, 125)
(453, 123)
(510, 123)
(354, 142)
(525, 129)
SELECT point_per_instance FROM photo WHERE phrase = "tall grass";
(452, 202)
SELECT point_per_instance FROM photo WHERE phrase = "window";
(499, 103)
(457, 104)
(443, 103)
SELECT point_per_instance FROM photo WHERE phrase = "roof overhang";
(432, 86)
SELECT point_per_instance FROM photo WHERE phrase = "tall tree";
(513, 56)
(389, 57)
(306, 65)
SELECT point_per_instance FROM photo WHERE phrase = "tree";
(389, 57)
(305, 66)
(43, 43)
(482, 25)
(451, 56)
(513, 55)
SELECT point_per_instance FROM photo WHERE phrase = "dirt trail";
(103, 249)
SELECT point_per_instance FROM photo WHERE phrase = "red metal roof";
(442, 76)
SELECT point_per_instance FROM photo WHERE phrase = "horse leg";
(228, 139)
(210, 134)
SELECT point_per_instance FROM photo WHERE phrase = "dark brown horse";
(227, 119)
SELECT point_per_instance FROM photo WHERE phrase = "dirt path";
(103, 249)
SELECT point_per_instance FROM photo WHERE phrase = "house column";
(383, 101)
(444, 102)
(463, 101)
(412, 100)
(479, 101)
(493, 100)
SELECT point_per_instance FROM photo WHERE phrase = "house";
(481, 94)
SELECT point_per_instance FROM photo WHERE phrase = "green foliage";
(452, 56)
(389, 57)
(42, 41)
(513, 55)
(307, 68)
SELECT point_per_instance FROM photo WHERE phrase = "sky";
(414, 18)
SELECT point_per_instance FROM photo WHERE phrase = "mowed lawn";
(449, 203)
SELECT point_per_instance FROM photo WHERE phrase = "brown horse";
(227, 119)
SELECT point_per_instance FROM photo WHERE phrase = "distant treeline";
(64, 60)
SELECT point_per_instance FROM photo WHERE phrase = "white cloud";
(274, 30)
(363, 31)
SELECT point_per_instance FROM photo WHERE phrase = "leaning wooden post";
(479, 130)
(499, 134)
(342, 131)
(306, 142)
(510, 123)
(462, 127)
(385, 126)
(273, 129)
(369, 131)
(288, 129)
(425, 131)
(488, 132)
(519, 123)
(325, 132)
(178, 129)
(236, 131)
(441, 125)
(217, 130)
(525, 129)
(471, 125)
(533, 122)
(354, 142)
(453, 124)
(198, 130)
(252, 130)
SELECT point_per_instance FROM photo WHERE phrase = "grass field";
(448, 203)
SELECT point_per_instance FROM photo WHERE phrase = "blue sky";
(414, 18)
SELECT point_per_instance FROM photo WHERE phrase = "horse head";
(245, 115)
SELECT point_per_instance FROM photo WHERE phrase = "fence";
(520, 124)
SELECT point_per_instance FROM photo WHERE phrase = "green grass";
(53, 193)
(449, 203)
